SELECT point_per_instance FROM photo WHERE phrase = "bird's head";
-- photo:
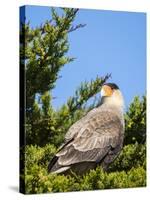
(112, 95)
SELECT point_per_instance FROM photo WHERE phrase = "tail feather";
(52, 163)
(54, 167)
(61, 170)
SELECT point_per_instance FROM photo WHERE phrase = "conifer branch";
(85, 92)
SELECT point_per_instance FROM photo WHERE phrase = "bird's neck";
(114, 101)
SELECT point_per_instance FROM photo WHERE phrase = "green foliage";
(132, 155)
(36, 155)
(136, 121)
(43, 53)
(127, 171)
(41, 182)
(44, 49)
(98, 179)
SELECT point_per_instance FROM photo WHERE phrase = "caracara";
(96, 139)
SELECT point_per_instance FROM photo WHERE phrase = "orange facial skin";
(108, 90)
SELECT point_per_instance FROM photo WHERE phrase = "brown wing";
(95, 137)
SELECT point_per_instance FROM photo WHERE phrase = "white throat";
(115, 100)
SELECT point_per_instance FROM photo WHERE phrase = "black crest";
(112, 85)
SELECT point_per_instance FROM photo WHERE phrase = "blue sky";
(112, 42)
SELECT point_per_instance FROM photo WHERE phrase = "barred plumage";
(96, 139)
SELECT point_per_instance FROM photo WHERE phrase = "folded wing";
(91, 140)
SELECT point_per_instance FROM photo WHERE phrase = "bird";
(94, 140)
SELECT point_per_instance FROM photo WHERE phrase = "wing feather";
(94, 136)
